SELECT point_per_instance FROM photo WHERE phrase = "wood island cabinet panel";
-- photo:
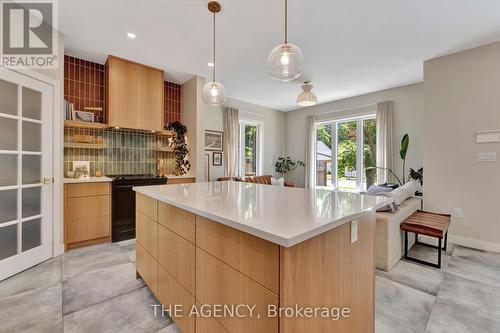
(147, 206)
(147, 267)
(348, 270)
(170, 293)
(134, 95)
(187, 180)
(177, 220)
(177, 256)
(256, 258)
(147, 233)
(217, 283)
(209, 325)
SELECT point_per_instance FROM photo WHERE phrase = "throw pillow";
(278, 182)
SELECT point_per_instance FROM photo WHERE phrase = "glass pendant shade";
(307, 97)
(285, 62)
(214, 94)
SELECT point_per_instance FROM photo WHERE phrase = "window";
(344, 149)
(250, 148)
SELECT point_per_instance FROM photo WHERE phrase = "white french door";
(26, 172)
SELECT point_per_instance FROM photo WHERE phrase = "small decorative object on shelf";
(285, 165)
(181, 148)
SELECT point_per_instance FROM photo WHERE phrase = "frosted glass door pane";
(8, 133)
(32, 104)
(8, 169)
(8, 206)
(31, 201)
(8, 241)
(8, 96)
(32, 136)
(31, 169)
(31, 234)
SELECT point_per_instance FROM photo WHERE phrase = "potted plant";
(180, 148)
(405, 142)
(285, 165)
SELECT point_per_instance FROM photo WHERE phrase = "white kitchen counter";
(282, 215)
(91, 180)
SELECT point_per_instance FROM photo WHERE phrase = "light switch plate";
(457, 213)
(486, 157)
(354, 231)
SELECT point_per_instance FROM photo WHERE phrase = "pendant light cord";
(214, 51)
(286, 21)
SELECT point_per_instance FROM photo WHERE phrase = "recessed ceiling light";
(131, 35)
(211, 64)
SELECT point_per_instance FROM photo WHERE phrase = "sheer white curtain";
(310, 151)
(231, 132)
(385, 140)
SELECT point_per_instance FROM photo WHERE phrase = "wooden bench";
(427, 224)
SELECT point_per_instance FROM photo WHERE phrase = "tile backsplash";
(124, 152)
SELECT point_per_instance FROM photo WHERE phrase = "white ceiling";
(351, 47)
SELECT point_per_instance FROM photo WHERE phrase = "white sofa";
(389, 241)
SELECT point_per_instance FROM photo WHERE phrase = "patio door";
(26, 172)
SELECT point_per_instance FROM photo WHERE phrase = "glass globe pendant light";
(214, 93)
(285, 60)
(307, 97)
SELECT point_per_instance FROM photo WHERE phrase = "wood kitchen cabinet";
(87, 214)
(134, 95)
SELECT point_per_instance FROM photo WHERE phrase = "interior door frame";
(57, 155)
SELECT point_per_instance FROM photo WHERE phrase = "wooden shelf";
(165, 149)
(166, 133)
(84, 145)
(81, 124)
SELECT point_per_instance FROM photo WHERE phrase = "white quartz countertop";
(282, 215)
(91, 180)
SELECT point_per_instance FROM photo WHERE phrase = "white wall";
(274, 132)
(193, 111)
(462, 95)
(408, 118)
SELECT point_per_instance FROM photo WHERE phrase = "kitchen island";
(239, 257)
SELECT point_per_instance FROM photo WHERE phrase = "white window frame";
(241, 148)
(359, 148)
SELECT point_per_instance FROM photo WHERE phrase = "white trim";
(6, 224)
(7, 188)
(31, 152)
(29, 218)
(30, 120)
(8, 116)
(474, 243)
(260, 147)
(8, 152)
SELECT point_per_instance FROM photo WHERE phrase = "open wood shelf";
(81, 124)
(164, 149)
(166, 133)
(84, 145)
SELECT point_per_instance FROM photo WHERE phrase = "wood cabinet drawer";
(171, 292)
(177, 220)
(77, 230)
(88, 207)
(147, 206)
(86, 190)
(147, 267)
(217, 283)
(252, 256)
(99, 227)
(177, 256)
(147, 233)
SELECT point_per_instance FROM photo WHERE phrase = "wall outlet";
(354, 231)
(457, 213)
(486, 157)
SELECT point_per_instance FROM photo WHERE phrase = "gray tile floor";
(94, 290)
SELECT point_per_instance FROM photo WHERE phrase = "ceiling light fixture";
(131, 35)
(214, 93)
(307, 97)
(285, 60)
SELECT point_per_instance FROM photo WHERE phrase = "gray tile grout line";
(397, 322)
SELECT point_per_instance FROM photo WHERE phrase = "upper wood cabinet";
(134, 95)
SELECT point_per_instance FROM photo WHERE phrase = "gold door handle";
(47, 180)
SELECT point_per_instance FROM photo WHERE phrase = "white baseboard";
(474, 243)
(464, 241)
(59, 250)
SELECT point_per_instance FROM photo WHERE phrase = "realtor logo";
(29, 34)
